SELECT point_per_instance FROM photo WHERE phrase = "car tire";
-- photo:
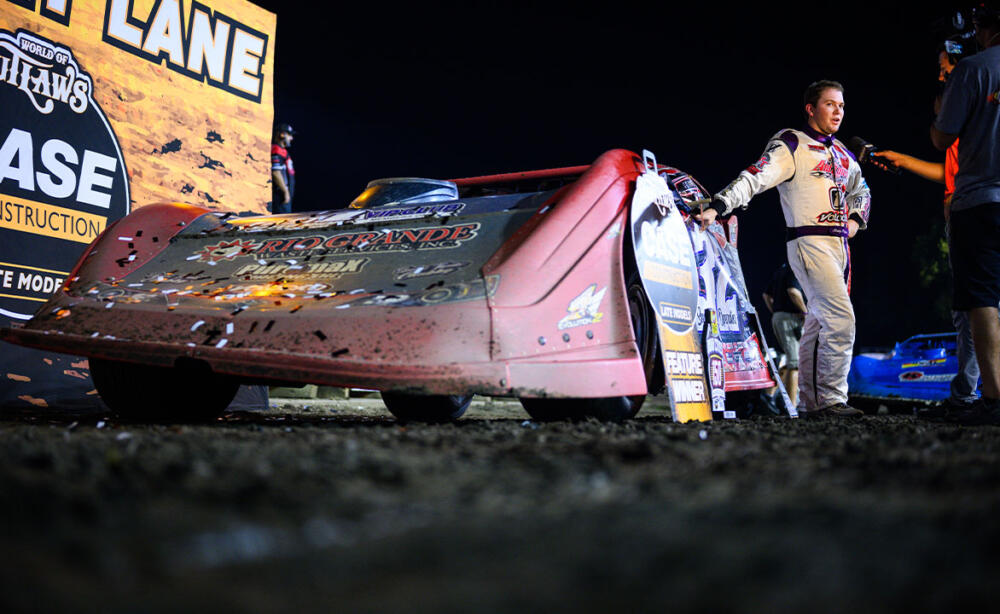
(145, 393)
(426, 408)
(610, 409)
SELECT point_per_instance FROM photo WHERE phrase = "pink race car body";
(510, 285)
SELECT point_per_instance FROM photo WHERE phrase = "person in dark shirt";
(970, 113)
(786, 302)
(282, 170)
(966, 381)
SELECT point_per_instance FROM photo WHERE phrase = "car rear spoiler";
(519, 182)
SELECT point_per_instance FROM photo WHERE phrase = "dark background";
(461, 89)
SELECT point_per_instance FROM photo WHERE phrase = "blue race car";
(919, 369)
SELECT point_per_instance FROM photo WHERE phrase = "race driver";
(825, 201)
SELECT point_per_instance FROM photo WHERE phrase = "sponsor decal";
(225, 250)
(386, 240)
(743, 355)
(836, 172)
(293, 222)
(661, 245)
(428, 270)
(759, 165)
(680, 315)
(671, 276)
(438, 295)
(664, 202)
(822, 170)
(339, 218)
(817, 148)
(862, 204)
(407, 213)
(716, 371)
(584, 309)
(924, 363)
(325, 270)
(832, 217)
(915, 376)
(62, 174)
(717, 384)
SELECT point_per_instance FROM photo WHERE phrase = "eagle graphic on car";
(583, 309)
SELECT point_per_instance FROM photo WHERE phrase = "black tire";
(426, 408)
(611, 409)
(144, 393)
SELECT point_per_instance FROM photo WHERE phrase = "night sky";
(478, 88)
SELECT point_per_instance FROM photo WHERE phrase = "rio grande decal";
(62, 174)
(384, 240)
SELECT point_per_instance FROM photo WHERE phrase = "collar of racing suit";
(826, 139)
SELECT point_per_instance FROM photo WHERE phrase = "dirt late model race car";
(577, 290)
(917, 370)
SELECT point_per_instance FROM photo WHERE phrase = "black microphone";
(863, 151)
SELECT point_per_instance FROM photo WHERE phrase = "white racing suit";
(821, 186)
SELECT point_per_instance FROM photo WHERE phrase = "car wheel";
(148, 393)
(610, 409)
(426, 408)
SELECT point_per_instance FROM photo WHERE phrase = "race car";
(578, 290)
(917, 370)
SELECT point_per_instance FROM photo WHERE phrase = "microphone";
(863, 151)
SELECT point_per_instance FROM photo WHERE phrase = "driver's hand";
(852, 228)
(706, 217)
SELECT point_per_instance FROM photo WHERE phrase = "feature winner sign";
(109, 105)
(669, 271)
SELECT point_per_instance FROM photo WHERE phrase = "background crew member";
(970, 112)
(282, 170)
(966, 381)
(784, 299)
(825, 200)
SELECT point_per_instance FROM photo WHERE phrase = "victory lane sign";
(106, 105)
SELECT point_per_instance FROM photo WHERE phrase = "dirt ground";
(333, 506)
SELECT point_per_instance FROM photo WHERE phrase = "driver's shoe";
(839, 410)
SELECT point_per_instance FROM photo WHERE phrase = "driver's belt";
(795, 232)
(808, 231)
